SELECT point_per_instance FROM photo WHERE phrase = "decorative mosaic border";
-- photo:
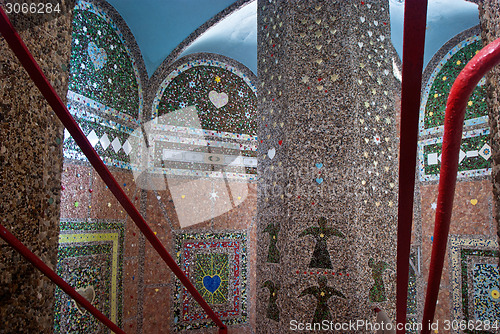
(87, 6)
(203, 133)
(430, 82)
(460, 280)
(187, 314)
(94, 238)
(72, 96)
(467, 173)
(90, 117)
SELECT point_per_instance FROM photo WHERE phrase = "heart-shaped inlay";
(211, 283)
(97, 55)
(319, 165)
(218, 99)
(473, 201)
(87, 293)
(271, 153)
(319, 180)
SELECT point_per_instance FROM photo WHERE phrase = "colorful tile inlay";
(216, 263)
(436, 92)
(475, 280)
(90, 259)
(474, 159)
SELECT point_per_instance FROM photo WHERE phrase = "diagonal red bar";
(413, 55)
(35, 260)
(30, 65)
(460, 92)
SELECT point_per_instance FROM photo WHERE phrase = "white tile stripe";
(201, 132)
(157, 138)
(208, 158)
(72, 96)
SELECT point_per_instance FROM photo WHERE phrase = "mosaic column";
(327, 163)
(31, 166)
(488, 15)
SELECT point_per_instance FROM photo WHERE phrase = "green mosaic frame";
(90, 255)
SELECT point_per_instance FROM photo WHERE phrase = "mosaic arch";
(475, 151)
(105, 93)
(204, 116)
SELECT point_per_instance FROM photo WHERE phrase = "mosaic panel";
(216, 263)
(474, 158)
(101, 64)
(475, 281)
(207, 107)
(433, 106)
(224, 97)
(90, 257)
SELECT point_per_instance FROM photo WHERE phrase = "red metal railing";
(413, 55)
(460, 92)
(30, 65)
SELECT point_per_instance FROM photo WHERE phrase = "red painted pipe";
(30, 65)
(35, 260)
(460, 92)
(413, 55)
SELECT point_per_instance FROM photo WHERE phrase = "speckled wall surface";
(327, 163)
(30, 172)
(490, 23)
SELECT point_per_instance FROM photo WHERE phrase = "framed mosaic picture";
(216, 263)
(475, 282)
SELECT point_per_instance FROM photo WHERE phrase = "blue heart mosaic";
(319, 180)
(211, 283)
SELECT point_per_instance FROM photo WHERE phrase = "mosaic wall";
(105, 92)
(327, 162)
(475, 153)
(217, 264)
(90, 259)
(475, 284)
(30, 169)
(463, 295)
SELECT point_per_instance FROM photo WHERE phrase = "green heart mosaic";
(101, 64)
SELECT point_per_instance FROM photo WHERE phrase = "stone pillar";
(30, 168)
(327, 163)
(490, 31)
